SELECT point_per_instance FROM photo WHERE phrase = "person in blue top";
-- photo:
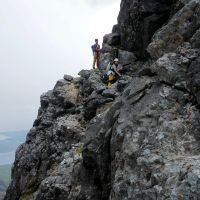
(96, 53)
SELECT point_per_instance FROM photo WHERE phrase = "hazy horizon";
(40, 42)
(9, 142)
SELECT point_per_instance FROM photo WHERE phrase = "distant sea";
(9, 141)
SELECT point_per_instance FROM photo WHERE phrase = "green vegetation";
(5, 173)
(31, 187)
(79, 150)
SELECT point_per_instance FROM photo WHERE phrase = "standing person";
(96, 53)
(113, 71)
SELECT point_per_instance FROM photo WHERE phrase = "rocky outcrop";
(45, 165)
(179, 29)
(138, 21)
(139, 139)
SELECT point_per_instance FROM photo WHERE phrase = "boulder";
(112, 39)
(68, 77)
(126, 57)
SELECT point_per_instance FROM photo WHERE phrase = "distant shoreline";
(11, 132)
(5, 175)
(9, 142)
(7, 158)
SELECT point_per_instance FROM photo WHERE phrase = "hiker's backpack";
(104, 77)
(109, 67)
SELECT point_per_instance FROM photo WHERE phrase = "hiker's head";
(96, 40)
(115, 61)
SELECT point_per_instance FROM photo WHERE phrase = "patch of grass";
(5, 173)
(79, 150)
(31, 187)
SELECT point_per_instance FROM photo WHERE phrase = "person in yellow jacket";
(113, 71)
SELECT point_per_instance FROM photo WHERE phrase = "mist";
(40, 41)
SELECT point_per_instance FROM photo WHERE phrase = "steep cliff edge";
(139, 139)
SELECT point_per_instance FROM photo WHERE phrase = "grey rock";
(106, 48)
(105, 58)
(136, 18)
(180, 28)
(84, 73)
(172, 69)
(60, 83)
(126, 57)
(112, 39)
(68, 77)
(127, 144)
(195, 40)
(109, 93)
(193, 78)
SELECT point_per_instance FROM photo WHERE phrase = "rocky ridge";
(139, 139)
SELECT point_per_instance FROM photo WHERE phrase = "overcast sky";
(40, 41)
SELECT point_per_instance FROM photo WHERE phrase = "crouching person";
(113, 72)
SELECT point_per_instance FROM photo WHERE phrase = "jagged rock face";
(138, 21)
(46, 165)
(139, 139)
(152, 150)
(179, 29)
(54, 133)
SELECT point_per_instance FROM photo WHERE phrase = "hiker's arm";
(115, 69)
